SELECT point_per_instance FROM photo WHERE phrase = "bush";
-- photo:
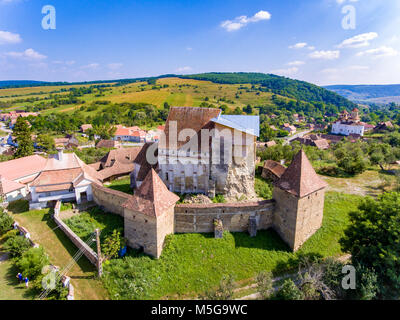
(367, 286)
(333, 276)
(6, 222)
(224, 291)
(264, 284)
(32, 262)
(219, 198)
(113, 244)
(16, 245)
(289, 291)
(19, 206)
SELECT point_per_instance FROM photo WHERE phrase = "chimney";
(60, 154)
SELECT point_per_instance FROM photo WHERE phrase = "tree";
(373, 240)
(6, 222)
(17, 245)
(22, 132)
(105, 131)
(289, 291)
(45, 142)
(264, 284)
(32, 262)
(351, 158)
(112, 245)
(224, 291)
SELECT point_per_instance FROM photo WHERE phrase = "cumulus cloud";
(91, 66)
(28, 54)
(242, 21)
(381, 52)
(184, 69)
(285, 72)
(9, 37)
(299, 45)
(361, 40)
(325, 55)
(296, 63)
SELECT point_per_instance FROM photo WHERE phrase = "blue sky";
(106, 39)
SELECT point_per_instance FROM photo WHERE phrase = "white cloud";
(361, 40)
(240, 22)
(285, 72)
(184, 69)
(115, 66)
(299, 45)
(359, 68)
(9, 37)
(91, 66)
(189, 49)
(326, 55)
(343, 1)
(296, 63)
(28, 54)
(380, 52)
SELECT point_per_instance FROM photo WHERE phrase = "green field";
(192, 263)
(174, 91)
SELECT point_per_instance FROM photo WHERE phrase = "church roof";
(194, 118)
(152, 198)
(247, 124)
(300, 178)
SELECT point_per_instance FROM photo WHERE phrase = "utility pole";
(99, 257)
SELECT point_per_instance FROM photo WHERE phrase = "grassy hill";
(295, 89)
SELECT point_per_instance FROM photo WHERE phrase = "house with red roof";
(131, 134)
(64, 177)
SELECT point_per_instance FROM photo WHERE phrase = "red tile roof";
(300, 178)
(7, 186)
(152, 198)
(193, 118)
(22, 167)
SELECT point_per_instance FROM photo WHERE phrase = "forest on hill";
(295, 89)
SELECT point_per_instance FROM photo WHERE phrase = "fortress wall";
(109, 199)
(199, 218)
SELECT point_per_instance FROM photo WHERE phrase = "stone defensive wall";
(110, 200)
(235, 217)
(78, 242)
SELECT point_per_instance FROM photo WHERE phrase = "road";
(297, 135)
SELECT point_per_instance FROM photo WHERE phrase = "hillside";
(379, 94)
(295, 89)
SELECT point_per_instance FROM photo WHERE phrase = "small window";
(166, 176)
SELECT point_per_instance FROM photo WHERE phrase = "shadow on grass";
(11, 274)
(83, 262)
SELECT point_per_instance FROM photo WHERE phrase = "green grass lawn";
(192, 263)
(86, 222)
(122, 184)
(60, 250)
(10, 288)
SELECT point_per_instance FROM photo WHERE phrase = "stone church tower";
(299, 196)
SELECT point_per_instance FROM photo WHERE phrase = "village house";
(13, 115)
(17, 174)
(290, 129)
(131, 134)
(383, 126)
(64, 177)
(68, 142)
(272, 170)
(314, 140)
(348, 124)
(86, 127)
(109, 144)
(117, 163)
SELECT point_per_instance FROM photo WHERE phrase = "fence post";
(99, 257)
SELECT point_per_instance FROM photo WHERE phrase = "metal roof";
(248, 124)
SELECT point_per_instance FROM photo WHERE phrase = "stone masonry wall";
(199, 218)
(111, 200)
(78, 242)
